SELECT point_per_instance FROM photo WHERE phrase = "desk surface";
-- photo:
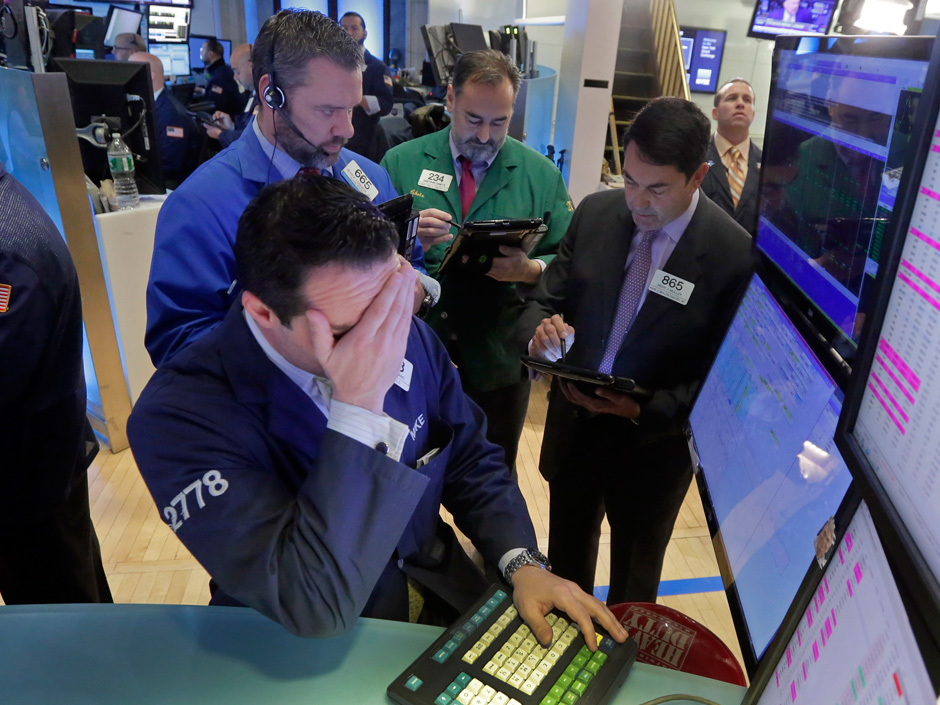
(103, 654)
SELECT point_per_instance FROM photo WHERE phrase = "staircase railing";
(668, 49)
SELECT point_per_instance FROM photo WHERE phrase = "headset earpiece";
(274, 97)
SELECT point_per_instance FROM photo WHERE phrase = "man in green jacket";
(473, 171)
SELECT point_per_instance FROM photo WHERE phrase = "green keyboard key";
(441, 656)
(585, 676)
(451, 646)
(585, 651)
(499, 595)
(593, 666)
(572, 671)
(414, 683)
(458, 637)
(462, 680)
(570, 698)
(443, 699)
(564, 680)
(556, 692)
(548, 700)
(579, 687)
(599, 656)
(579, 661)
(485, 611)
(453, 690)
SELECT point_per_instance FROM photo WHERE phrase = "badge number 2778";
(215, 486)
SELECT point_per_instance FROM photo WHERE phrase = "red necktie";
(468, 185)
(304, 170)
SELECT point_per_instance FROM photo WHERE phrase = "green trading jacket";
(478, 311)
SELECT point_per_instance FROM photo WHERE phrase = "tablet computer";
(478, 242)
(399, 210)
(591, 377)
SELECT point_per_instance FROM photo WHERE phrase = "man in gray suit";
(649, 280)
(733, 160)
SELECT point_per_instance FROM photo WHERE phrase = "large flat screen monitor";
(195, 45)
(120, 94)
(168, 24)
(772, 18)
(854, 635)
(839, 123)
(890, 430)
(174, 57)
(702, 50)
(121, 21)
(770, 473)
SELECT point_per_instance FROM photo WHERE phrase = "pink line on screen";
(930, 300)
(841, 558)
(789, 657)
(793, 691)
(815, 651)
(848, 540)
(890, 397)
(885, 405)
(884, 366)
(799, 636)
(938, 133)
(926, 238)
(833, 617)
(927, 192)
(920, 275)
(828, 627)
(826, 584)
(804, 672)
(935, 148)
(906, 371)
(809, 618)
(858, 573)
(849, 584)
(822, 635)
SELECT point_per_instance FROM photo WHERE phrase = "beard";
(305, 153)
(477, 151)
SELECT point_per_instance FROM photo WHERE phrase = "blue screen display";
(702, 50)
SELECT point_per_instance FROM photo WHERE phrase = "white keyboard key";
(465, 697)
(487, 693)
(529, 687)
(475, 686)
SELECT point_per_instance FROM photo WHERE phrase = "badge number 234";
(214, 485)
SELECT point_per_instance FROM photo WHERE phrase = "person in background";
(229, 128)
(472, 170)
(376, 89)
(221, 89)
(48, 548)
(127, 43)
(308, 73)
(644, 286)
(733, 159)
(177, 133)
(315, 434)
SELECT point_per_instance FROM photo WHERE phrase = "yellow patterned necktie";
(736, 175)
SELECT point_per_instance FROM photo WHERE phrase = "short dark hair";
(289, 40)
(486, 66)
(671, 132)
(297, 224)
(353, 14)
(729, 81)
(215, 46)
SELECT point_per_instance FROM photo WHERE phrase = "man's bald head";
(242, 67)
(156, 68)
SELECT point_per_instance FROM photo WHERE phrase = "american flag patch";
(5, 290)
(174, 131)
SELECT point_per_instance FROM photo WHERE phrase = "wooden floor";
(146, 563)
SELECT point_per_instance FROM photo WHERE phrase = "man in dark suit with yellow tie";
(733, 159)
(644, 286)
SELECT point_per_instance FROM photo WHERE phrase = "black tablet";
(478, 242)
(592, 377)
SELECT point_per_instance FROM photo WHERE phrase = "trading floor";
(145, 563)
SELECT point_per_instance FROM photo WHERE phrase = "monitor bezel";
(173, 44)
(150, 5)
(107, 22)
(825, 333)
(891, 527)
(797, 33)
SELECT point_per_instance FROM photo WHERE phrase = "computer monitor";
(168, 24)
(889, 431)
(770, 474)
(174, 57)
(62, 24)
(839, 122)
(702, 50)
(853, 636)
(89, 36)
(120, 94)
(195, 45)
(773, 18)
(121, 21)
(468, 37)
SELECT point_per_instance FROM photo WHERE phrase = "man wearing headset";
(308, 72)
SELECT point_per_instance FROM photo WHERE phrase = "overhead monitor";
(121, 21)
(702, 50)
(773, 18)
(890, 430)
(168, 24)
(120, 94)
(839, 123)
(853, 637)
(174, 57)
(770, 473)
(195, 45)
(178, 3)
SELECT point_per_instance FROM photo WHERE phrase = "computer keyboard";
(490, 657)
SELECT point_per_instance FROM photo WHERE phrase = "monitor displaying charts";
(174, 57)
(763, 428)
(854, 642)
(168, 24)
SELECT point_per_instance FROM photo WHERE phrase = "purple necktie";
(634, 282)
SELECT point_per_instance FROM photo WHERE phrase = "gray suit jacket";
(670, 346)
(716, 186)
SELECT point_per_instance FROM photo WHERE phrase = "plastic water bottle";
(121, 162)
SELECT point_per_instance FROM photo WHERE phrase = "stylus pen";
(562, 317)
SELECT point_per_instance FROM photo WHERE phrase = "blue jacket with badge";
(192, 275)
(302, 523)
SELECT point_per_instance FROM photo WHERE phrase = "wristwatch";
(426, 304)
(530, 556)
